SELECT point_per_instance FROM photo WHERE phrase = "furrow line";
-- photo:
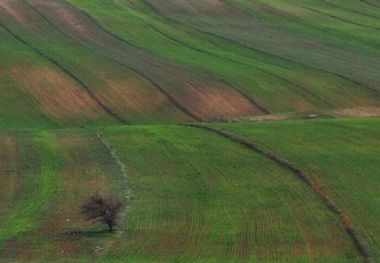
(338, 18)
(90, 92)
(269, 54)
(369, 3)
(357, 238)
(169, 97)
(347, 9)
(298, 21)
(289, 82)
(338, 75)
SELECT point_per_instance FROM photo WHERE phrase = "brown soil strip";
(374, 91)
(13, 9)
(70, 74)
(357, 238)
(57, 95)
(212, 101)
(298, 87)
(358, 112)
(168, 96)
(254, 103)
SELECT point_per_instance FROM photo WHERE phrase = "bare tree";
(102, 209)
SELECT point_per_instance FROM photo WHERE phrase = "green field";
(232, 130)
(342, 155)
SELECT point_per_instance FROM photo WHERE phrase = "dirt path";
(357, 238)
(123, 170)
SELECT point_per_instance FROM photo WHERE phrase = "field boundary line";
(167, 94)
(348, 10)
(338, 18)
(251, 100)
(169, 97)
(297, 87)
(357, 238)
(76, 79)
(369, 3)
(123, 170)
(272, 55)
(292, 85)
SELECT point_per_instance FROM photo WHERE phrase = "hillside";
(85, 62)
(232, 130)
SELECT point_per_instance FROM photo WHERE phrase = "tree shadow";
(89, 233)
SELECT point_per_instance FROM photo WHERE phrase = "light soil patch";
(129, 93)
(68, 17)
(269, 117)
(217, 102)
(18, 12)
(358, 112)
(220, 102)
(57, 95)
(213, 101)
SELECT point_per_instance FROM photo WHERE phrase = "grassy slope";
(193, 54)
(102, 76)
(192, 203)
(46, 175)
(298, 31)
(343, 155)
(32, 177)
(195, 196)
(256, 73)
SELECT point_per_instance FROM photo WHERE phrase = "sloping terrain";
(342, 156)
(131, 97)
(188, 202)
(177, 61)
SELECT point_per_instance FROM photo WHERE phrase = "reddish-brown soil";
(57, 95)
(216, 102)
(358, 112)
(126, 92)
(65, 15)
(18, 12)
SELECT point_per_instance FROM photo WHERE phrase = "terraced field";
(154, 101)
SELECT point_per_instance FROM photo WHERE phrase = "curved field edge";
(341, 155)
(194, 197)
(39, 185)
(42, 221)
(198, 74)
(190, 203)
(208, 54)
